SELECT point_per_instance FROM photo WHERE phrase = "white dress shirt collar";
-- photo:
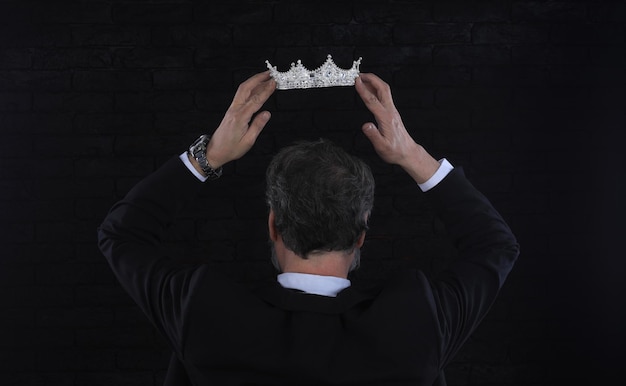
(314, 284)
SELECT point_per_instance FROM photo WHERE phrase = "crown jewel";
(327, 75)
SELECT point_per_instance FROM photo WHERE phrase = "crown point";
(327, 75)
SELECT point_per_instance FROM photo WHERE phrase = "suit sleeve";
(487, 251)
(130, 237)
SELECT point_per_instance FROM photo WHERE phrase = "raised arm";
(130, 237)
(389, 137)
(487, 249)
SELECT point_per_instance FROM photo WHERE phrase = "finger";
(379, 88)
(367, 94)
(371, 132)
(258, 97)
(246, 88)
(256, 126)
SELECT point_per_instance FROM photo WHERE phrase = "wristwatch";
(198, 151)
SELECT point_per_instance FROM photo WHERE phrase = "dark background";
(527, 96)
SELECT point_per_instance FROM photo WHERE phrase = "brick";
(131, 316)
(15, 102)
(77, 146)
(136, 378)
(236, 12)
(310, 13)
(75, 12)
(549, 11)
(139, 13)
(37, 337)
(192, 122)
(66, 273)
(152, 57)
(107, 123)
(614, 56)
(279, 35)
(33, 379)
(14, 361)
(611, 11)
(114, 167)
(190, 80)
(98, 295)
(453, 97)
(552, 97)
(75, 317)
(17, 233)
(113, 337)
(36, 296)
(213, 101)
(118, 80)
(391, 12)
(470, 55)
(376, 56)
(234, 58)
(154, 101)
(475, 140)
(608, 98)
(110, 35)
(475, 11)
(432, 76)
(15, 58)
(150, 146)
(75, 359)
(72, 102)
(509, 76)
(28, 35)
(591, 34)
(38, 210)
(538, 55)
(75, 188)
(36, 122)
(14, 275)
(233, 229)
(16, 254)
(91, 209)
(431, 33)
(195, 35)
(596, 76)
(510, 34)
(351, 35)
(68, 58)
(34, 80)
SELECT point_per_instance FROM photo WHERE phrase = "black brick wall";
(527, 96)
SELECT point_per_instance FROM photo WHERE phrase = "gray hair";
(321, 197)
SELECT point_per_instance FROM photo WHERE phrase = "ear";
(361, 240)
(271, 225)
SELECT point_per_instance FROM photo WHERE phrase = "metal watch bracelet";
(198, 151)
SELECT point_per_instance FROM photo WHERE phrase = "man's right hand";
(390, 138)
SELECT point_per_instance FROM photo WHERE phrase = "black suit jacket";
(224, 333)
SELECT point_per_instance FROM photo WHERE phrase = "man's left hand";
(238, 131)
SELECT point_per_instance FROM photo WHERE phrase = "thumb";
(371, 132)
(258, 123)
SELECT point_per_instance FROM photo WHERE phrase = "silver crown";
(327, 75)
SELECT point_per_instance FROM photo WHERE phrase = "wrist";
(197, 154)
(420, 165)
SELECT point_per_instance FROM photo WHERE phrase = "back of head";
(321, 197)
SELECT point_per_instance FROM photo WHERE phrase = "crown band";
(327, 75)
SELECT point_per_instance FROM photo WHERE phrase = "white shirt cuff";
(189, 165)
(444, 168)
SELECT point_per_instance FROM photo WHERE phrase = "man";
(310, 326)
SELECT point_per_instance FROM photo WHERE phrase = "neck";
(333, 263)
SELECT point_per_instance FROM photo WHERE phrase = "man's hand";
(238, 131)
(390, 139)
